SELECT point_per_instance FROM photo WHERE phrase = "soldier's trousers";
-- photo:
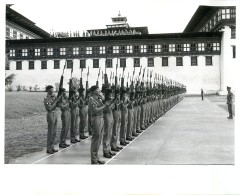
(116, 126)
(142, 116)
(135, 112)
(107, 132)
(230, 110)
(52, 129)
(130, 123)
(83, 114)
(89, 121)
(74, 118)
(124, 121)
(138, 117)
(97, 131)
(65, 117)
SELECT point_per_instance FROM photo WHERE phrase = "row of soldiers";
(115, 114)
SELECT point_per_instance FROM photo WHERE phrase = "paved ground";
(192, 132)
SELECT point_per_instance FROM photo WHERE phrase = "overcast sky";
(160, 16)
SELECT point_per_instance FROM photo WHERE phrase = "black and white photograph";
(139, 88)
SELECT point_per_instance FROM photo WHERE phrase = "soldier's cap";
(109, 91)
(62, 89)
(49, 87)
(117, 91)
(80, 90)
(123, 90)
(228, 87)
(93, 88)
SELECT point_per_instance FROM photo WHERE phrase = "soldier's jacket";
(93, 104)
(229, 98)
(117, 104)
(49, 101)
(123, 103)
(73, 102)
(82, 102)
(64, 104)
(130, 105)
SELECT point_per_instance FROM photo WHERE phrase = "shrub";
(36, 88)
(19, 87)
(30, 88)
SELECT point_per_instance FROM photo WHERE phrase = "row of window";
(220, 15)
(12, 33)
(109, 63)
(116, 49)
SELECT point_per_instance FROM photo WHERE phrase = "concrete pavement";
(192, 132)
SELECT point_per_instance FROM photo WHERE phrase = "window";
(208, 60)
(19, 65)
(136, 62)
(129, 49)
(24, 52)
(122, 63)
(136, 49)
(31, 65)
(143, 48)
(82, 50)
(7, 31)
(208, 47)
(95, 63)
(83, 63)
(56, 64)
(165, 61)
(194, 46)
(179, 47)
(115, 49)
(216, 46)
(157, 48)
(200, 46)
(150, 62)
(150, 49)
(43, 64)
(233, 13)
(12, 52)
(14, 34)
(75, 51)
(21, 36)
(37, 52)
(43, 51)
(122, 49)
(109, 63)
(214, 20)
(95, 50)
(62, 51)
(69, 64)
(234, 51)
(171, 47)
(102, 50)
(233, 32)
(179, 61)
(186, 47)
(50, 51)
(194, 61)
(109, 50)
(165, 48)
(225, 13)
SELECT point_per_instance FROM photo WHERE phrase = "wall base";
(221, 92)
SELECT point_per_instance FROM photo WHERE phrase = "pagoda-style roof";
(20, 20)
(202, 14)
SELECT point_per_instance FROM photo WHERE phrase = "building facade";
(197, 58)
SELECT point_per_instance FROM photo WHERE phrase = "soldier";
(116, 122)
(65, 117)
(230, 102)
(108, 124)
(130, 117)
(124, 117)
(83, 113)
(96, 106)
(50, 103)
(74, 101)
(202, 94)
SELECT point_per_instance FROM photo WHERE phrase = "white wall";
(194, 77)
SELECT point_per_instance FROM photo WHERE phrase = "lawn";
(25, 124)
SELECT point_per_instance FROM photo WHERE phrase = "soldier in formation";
(115, 116)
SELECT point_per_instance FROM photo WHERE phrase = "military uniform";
(50, 103)
(230, 102)
(65, 117)
(124, 120)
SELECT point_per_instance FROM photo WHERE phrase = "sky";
(160, 16)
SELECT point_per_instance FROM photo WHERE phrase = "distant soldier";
(96, 106)
(83, 113)
(65, 116)
(230, 102)
(202, 93)
(50, 102)
(74, 101)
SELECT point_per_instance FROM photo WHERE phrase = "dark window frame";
(136, 62)
(194, 61)
(150, 62)
(164, 61)
(43, 64)
(108, 63)
(123, 62)
(82, 64)
(56, 64)
(69, 64)
(179, 61)
(31, 65)
(95, 63)
(208, 60)
(19, 65)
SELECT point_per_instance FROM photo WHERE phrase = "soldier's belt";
(97, 115)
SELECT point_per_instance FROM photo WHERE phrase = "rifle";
(61, 82)
(87, 90)
(80, 82)
(70, 86)
(98, 76)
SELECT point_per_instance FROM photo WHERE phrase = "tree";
(9, 79)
